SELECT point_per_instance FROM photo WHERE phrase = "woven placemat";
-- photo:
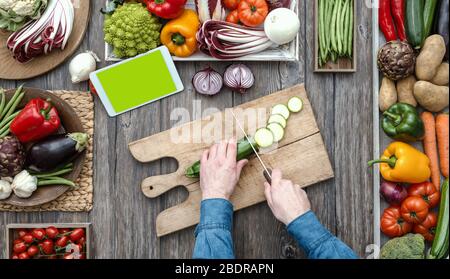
(81, 198)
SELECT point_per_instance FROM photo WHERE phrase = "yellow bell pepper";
(401, 162)
(178, 35)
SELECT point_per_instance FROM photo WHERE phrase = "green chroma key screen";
(137, 82)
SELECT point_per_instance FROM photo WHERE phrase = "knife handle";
(268, 175)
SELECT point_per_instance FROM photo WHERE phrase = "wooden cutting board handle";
(155, 186)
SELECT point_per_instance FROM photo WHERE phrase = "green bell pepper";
(402, 122)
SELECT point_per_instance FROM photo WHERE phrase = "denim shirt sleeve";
(316, 241)
(213, 233)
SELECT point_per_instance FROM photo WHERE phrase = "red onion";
(238, 77)
(41, 36)
(207, 82)
(393, 193)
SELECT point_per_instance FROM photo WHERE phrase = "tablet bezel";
(104, 97)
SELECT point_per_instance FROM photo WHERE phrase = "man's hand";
(286, 200)
(219, 171)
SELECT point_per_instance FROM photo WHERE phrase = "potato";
(441, 77)
(388, 94)
(430, 57)
(431, 97)
(405, 90)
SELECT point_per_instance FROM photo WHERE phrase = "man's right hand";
(286, 199)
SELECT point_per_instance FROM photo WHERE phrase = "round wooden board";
(71, 123)
(11, 69)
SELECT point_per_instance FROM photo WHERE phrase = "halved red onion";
(238, 77)
(207, 82)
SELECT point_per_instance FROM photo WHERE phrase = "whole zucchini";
(55, 151)
(244, 150)
(442, 19)
(429, 12)
(439, 248)
(415, 22)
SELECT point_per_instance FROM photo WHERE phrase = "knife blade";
(267, 172)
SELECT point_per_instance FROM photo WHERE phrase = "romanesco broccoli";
(132, 30)
(410, 246)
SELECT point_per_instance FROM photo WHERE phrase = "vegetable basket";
(288, 52)
(380, 142)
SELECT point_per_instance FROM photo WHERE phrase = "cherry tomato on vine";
(33, 250)
(64, 230)
(82, 241)
(39, 234)
(47, 246)
(62, 241)
(22, 232)
(20, 247)
(76, 234)
(28, 238)
(14, 256)
(23, 256)
(51, 232)
(17, 240)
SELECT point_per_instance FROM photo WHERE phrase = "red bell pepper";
(167, 9)
(385, 20)
(37, 120)
(398, 12)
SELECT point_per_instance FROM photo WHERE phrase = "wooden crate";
(11, 234)
(342, 65)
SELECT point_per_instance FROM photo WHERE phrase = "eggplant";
(442, 23)
(55, 151)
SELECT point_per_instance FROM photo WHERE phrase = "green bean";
(333, 26)
(350, 30)
(55, 173)
(14, 105)
(345, 28)
(2, 103)
(339, 27)
(321, 30)
(4, 134)
(8, 120)
(11, 101)
(56, 181)
(329, 15)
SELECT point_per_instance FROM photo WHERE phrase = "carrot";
(442, 139)
(430, 147)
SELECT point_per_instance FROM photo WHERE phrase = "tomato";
(233, 17)
(23, 256)
(428, 226)
(51, 232)
(414, 210)
(76, 234)
(393, 224)
(62, 241)
(68, 256)
(426, 191)
(22, 232)
(20, 247)
(33, 250)
(39, 234)
(252, 12)
(47, 246)
(231, 4)
(28, 238)
(18, 240)
(81, 241)
(14, 256)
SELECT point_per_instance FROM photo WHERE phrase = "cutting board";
(301, 155)
(11, 69)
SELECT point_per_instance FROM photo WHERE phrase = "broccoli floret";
(410, 246)
(132, 30)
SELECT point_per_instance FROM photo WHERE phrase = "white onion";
(238, 77)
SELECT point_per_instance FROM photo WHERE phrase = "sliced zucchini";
(282, 110)
(277, 131)
(295, 104)
(277, 118)
(264, 137)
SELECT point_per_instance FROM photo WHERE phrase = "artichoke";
(132, 30)
(12, 156)
(396, 60)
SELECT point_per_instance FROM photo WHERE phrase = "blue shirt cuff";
(308, 231)
(215, 214)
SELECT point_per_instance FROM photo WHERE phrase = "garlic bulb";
(24, 184)
(5, 189)
(82, 65)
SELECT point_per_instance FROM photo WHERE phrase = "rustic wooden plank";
(353, 144)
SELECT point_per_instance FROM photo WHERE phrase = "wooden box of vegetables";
(49, 241)
(258, 48)
(411, 126)
(335, 36)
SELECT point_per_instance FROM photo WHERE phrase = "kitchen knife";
(267, 172)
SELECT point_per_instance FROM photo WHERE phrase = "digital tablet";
(137, 81)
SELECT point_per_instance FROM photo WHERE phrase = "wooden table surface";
(124, 219)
